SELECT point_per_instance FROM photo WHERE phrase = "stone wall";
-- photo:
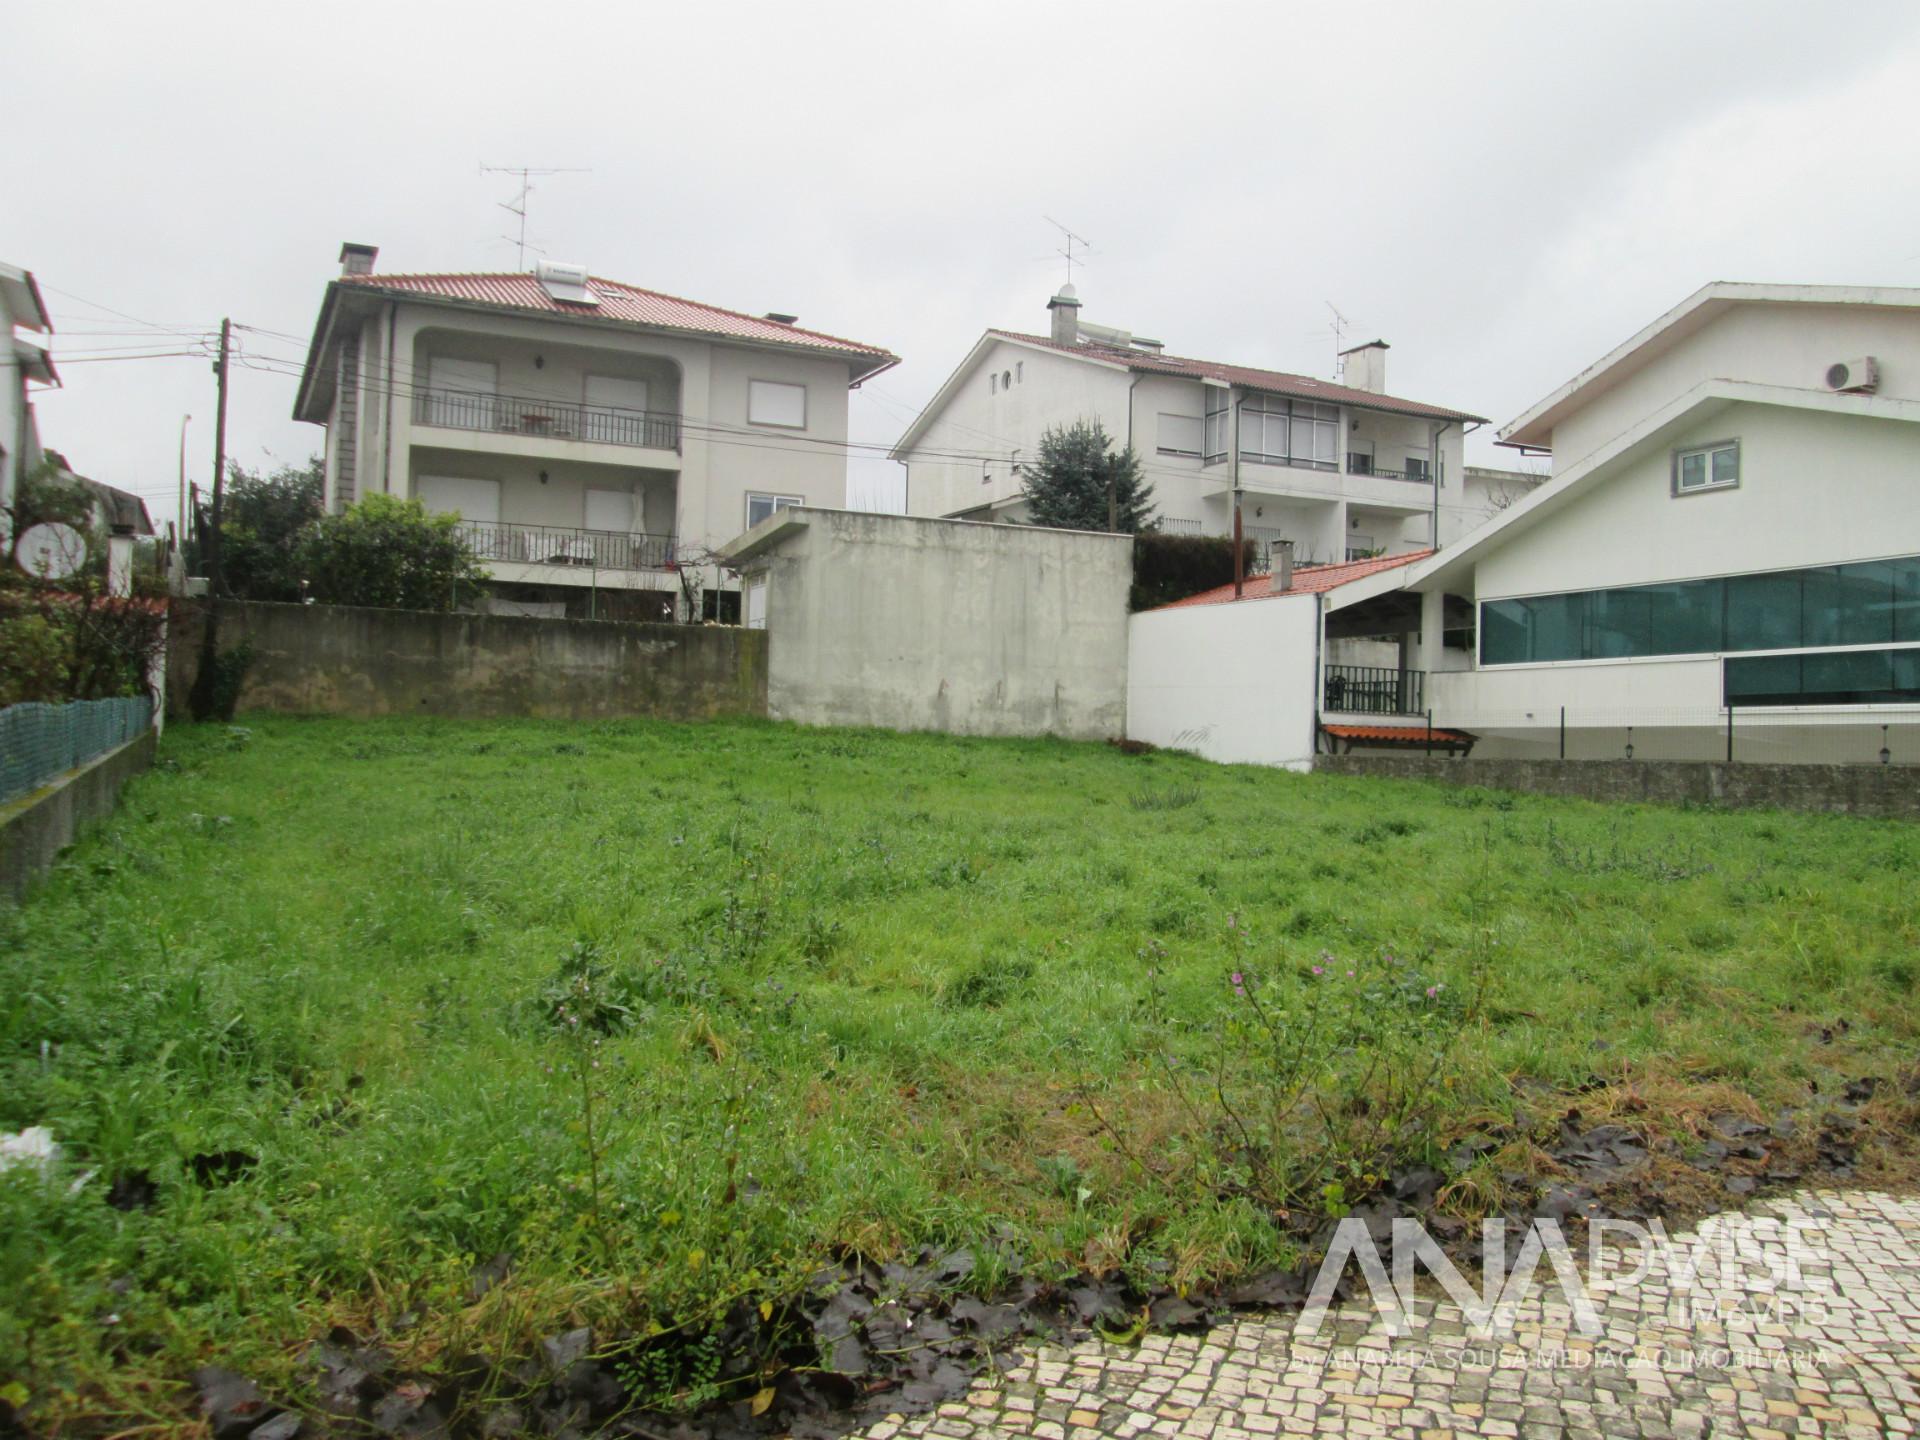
(345, 660)
(35, 828)
(1891, 792)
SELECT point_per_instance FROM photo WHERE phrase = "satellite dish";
(50, 550)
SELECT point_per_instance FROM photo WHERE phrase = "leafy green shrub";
(389, 553)
(35, 659)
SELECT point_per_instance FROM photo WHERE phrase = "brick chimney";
(357, 259)
(1066, 316)
(1364, 367)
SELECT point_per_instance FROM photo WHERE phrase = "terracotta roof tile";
(617, 302)
(1399, 734)
(1275, 382)
(1307, 580)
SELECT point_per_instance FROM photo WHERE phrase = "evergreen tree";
(1069, 487)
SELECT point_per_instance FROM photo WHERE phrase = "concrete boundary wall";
(35, 828)
(1887, 792)
(346, 660)
(1226, 681)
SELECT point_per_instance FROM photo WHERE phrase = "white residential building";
(27, 364)
(1339, 470)
(594, 437)
(1724, 563)
(1729, 544)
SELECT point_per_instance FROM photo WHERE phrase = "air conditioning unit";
(1862, 375)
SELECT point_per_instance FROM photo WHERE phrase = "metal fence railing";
(39, 743)
(1755, 736)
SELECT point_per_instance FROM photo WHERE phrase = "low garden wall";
(346, 660)
(36, 827)
(1890, 792)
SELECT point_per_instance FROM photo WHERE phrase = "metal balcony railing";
(1363, 465)
(1374, 690)
(567, 545)
(505, 415)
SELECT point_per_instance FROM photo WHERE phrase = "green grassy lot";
(844, 990)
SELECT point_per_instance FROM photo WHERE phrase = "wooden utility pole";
(205, 699)
(214, 579)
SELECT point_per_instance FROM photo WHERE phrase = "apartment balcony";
(499, 542)
(545, 420)
(1358, 464)
(1373, 690)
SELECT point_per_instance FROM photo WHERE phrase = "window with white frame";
(1180, 435)
(1706, 467)
(773, 402)
(1216, 437)
(759, 507)
(1274, 431)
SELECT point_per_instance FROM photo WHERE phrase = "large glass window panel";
(1726, 466)
(1763, 680)
(1558, 626)
(1616, 625)
(1763, 611)
(1848, 605)
(1906, 674)
(1685, 617)
(1851, 677)
(1301, 444)
(1505, 632)
(1693, 470)
(1906, 598)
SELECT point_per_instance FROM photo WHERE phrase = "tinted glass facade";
(1875, 602)
(1847, 677)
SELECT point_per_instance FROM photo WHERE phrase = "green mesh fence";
(40, 742)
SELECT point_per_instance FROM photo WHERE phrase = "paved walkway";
(1801, 1317)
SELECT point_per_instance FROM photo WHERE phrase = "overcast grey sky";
(1501, 191)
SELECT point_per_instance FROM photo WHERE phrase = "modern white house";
(1728, 548)
(1339, 470)
(596, 439)
(28, 365)
(1725, 563)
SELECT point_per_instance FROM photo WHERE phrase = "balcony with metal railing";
(1373, 690)
(1415, 473)
(499, 541)
(547, 419)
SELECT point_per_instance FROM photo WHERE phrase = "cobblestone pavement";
(1800, 1317)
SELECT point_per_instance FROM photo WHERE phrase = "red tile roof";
(1307, 580)
(628, 303)
(1399, 734)
(1275, 382)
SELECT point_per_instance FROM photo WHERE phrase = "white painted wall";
(1778, 344)
(922, 624)
(1815, 489)
(985, 417)
(1233, 683)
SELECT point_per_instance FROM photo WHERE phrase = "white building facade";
(597, 440)
(1726, 560)
(28, 366)
(1339, 470)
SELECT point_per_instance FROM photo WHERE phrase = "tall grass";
(853, 985)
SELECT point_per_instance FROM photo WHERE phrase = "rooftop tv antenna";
(1072, 240)
(518, 205)
(1340, 327)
